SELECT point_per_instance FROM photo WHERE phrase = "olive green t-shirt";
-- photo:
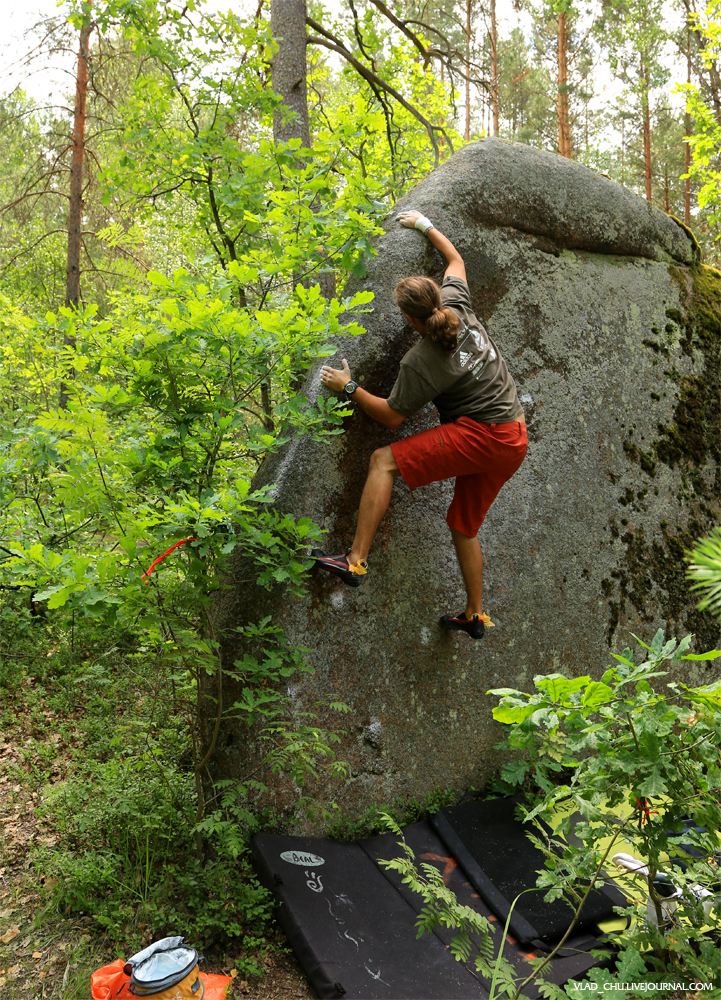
(472, 381)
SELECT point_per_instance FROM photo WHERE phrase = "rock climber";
(481, 439)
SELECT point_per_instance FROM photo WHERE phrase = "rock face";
(610, 327)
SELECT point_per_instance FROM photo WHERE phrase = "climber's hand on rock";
(408, 219)
(415, 220)
(334, 379)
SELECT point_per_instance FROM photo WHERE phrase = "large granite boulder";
(610, 327)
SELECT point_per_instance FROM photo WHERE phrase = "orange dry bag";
(166, 970)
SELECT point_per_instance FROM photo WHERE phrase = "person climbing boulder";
(481, 440)
(609, 324)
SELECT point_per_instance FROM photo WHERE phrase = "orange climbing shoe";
(475, 626)
(352, 575)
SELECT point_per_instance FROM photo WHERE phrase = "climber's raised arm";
(414, 220)
(375, 406)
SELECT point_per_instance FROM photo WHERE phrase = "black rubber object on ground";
(352, 923)
(352, 932)
(430, 849)
(493, 849)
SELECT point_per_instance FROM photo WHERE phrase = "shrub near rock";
(643, 769)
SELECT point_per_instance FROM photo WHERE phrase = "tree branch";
(336, 45)
(446, 56)
(387, 111)
(671, 753)
(402, 26)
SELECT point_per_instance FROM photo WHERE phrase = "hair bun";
(420, 298)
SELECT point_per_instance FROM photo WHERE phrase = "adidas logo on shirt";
(464, 358)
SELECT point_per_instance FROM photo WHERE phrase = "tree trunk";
(494, 66)
(646, 133)
(75, 209)
(267, 407)
(289, 68)
(75, 212)
(687, 153)
(564, 137)
(468, 69)
(289, 81)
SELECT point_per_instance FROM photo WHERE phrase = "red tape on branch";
(152, 566)
(645, 811)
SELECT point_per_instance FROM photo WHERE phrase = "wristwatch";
(350, 387)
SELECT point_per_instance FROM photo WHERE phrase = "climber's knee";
(383, 460)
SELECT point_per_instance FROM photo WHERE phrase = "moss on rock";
(690, 443)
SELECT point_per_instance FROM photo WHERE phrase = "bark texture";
(610, 328)
(564, 128)
(468, 70)
(647, 160)
(75, 194)
(75, 212)
(287, 20)
(687, 150)
(494, 67)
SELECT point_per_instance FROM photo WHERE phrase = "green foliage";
(124, 816)
(635, 763)
(702, 110)
(635, 33)
(403, 811)
(131, 428)
(156, 445)
(525, 93)
(473, 932)
(705, 144)
(705, 571)
(379, 140)
(153, 444)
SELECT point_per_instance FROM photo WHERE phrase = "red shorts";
(482, 457)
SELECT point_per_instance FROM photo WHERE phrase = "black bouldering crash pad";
(430, 849)
(352, 923)
(352, 932)
(493, 849)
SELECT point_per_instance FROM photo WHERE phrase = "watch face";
(350, 387)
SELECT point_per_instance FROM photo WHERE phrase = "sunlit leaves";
(705, 570)
(635, 757)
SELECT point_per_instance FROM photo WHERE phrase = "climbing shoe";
(475, 626)
(352, 575)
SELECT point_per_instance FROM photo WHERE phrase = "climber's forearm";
(456, 268)
(378, 408)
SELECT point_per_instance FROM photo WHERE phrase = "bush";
(643, 768)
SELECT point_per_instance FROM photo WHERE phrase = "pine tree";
(526, 93)
(634, 34)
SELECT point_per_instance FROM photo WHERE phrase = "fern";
(705, 569)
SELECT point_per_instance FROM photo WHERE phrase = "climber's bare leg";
(374, 501)
(468, 550)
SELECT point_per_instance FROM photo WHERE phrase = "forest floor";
(45, 954)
